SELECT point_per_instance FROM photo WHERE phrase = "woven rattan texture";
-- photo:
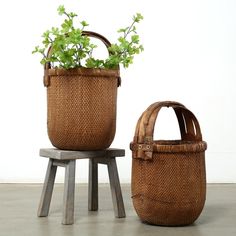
(168, 176)
(82, 111)
(170, 189)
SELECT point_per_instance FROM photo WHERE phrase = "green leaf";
(92, 46)
(54, 31)
(46, 34)
(94, 63)
(35, 49)
(67, 25)
(84, 23)
(61, 10)
(138, 17)
(141, 48)
(123, 30)
(135, 38)
(72, 14)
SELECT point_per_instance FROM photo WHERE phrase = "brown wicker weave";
(82, 105)
(168, 177)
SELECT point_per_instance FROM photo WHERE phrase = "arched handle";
(188, 124)
(84, 33)
(98, 36)
(144, 118)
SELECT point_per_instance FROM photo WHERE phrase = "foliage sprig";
(71, 49)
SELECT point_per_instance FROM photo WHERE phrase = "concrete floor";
(19, 202)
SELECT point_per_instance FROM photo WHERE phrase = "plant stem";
(68, 15)
(77, 55)
(129, 30)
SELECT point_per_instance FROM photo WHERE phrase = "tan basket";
(168, 177)
(82, 105)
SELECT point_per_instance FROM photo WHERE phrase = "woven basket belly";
(168, 176)
(81, 112)
(171, 190)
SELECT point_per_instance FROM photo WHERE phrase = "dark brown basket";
(82, 105)
(168, 177)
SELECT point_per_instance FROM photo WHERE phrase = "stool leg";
(46, 195)
(117, 198)
(69, 194)
(93, 185)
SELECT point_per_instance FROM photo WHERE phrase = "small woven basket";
(81, 104)
(168, 177)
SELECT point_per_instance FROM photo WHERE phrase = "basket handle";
(188, 124)
(147, 113)
(98, 36)
(84, 33)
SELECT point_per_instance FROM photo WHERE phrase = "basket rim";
(171, 146)
(83, 71)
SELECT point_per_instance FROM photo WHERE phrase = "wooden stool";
(68, 159)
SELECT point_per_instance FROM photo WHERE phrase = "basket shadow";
(212, 213)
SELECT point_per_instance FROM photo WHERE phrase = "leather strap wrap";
(142, 150)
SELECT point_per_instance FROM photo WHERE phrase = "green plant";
(71, 49)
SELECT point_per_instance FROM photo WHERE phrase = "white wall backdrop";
(190, 57)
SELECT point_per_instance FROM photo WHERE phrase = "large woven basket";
(168, 177)
(81, 105)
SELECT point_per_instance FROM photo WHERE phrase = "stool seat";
(67, 159)
(71, 155)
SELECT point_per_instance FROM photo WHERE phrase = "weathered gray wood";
(60, 163)
(117, 198)
(101, 160)
(93, 185)
(69, 194)
(70, 155)
(46, 195)
(67, 159)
